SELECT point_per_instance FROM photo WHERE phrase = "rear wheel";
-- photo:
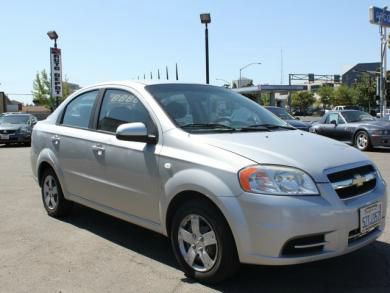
(203, 243)
(53, 198)
(362, 141)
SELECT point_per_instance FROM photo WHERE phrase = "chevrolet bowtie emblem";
(358, 180)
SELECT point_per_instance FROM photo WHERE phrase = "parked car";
(284, 115)
(350, 107)
(386, 112)
(386, 118)
(354, 127)
(16, 128)
(226, 180)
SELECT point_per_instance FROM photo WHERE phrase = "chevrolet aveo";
(226, 180)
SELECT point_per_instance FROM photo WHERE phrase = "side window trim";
(62, 114)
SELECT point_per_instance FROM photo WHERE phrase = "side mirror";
(136, 131)
(334, 122)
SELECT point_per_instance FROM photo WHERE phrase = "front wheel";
(362, 141)
(203, 243)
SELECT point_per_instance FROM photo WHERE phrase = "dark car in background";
(16, 128)
(355, 127)
(284, 115)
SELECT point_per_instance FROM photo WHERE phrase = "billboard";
(379, 16)
(56, 72)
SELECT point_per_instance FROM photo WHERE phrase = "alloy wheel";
(198, 243)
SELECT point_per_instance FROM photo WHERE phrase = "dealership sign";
(379, 16)
(56, 72)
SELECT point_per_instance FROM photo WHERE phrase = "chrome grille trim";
(351, 182)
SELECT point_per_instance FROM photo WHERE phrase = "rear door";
(76, 145)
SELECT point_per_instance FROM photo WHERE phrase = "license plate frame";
(4, 136)
(370, 217)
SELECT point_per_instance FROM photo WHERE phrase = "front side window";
(78, 111)
(198, 108)
(332, 117)
(121, 107)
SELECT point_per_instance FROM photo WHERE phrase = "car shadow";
(366, 270)
(380, 150)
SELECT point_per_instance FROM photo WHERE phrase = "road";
(93, 252)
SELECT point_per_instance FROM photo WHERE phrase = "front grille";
(305, 245)
(353, 182)
(7, 131)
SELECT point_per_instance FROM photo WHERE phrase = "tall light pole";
(206, 19)
(55, 62)
(242, 68)
(382, 87)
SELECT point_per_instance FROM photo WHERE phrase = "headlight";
(24, 130)
(277, 180)
(380, 132)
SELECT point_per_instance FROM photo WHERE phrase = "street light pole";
(206, 19)
(242, 68)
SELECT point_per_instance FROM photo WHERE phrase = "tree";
(302, 100)
(365, 92)
(42, 91)
(327, 96)
(344, 95)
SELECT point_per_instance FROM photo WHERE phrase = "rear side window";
(121, 107)
(78, 111)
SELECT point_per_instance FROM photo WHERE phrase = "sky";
(118, 39)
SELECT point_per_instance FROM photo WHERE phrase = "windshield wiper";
(208, 126)
(269, 126)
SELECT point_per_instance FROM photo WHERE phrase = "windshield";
(14, 119)
(357, 116)
(196, 108)
(281, 113)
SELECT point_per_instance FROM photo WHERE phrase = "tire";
(362, 141)
(210, 247)
(52, 196)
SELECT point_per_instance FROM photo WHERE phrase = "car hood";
(309, 152)
(11, 126)
(298, 123)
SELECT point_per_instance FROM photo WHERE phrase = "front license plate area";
(4, 136)
(370, 217)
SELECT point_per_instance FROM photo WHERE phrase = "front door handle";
(55, 139)
(98, 149)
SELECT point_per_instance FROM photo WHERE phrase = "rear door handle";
(98, 149)
(55, 139)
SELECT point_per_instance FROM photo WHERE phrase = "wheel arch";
(185, 196)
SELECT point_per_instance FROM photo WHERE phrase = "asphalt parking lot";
(93, 252)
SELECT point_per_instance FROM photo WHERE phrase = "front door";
(129, 170)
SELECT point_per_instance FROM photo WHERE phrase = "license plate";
(370, 217)
(4, 136)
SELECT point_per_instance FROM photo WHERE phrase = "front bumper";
(263, 225)
(380, 140)
(16, 138)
